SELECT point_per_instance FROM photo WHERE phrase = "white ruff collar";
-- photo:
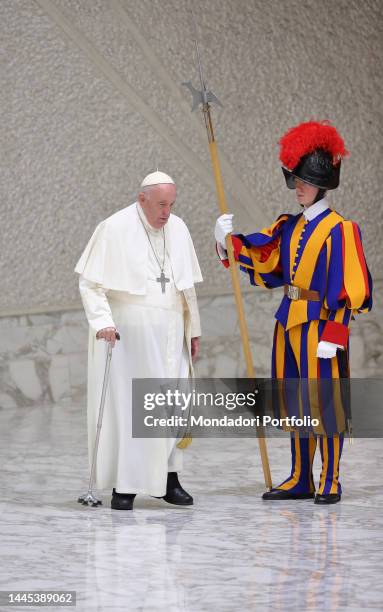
(315, 209)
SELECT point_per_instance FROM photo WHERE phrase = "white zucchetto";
(157, 178)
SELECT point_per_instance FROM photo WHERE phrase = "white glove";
(223, 227)
(327, 350)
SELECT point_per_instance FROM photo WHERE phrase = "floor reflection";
(231, 551)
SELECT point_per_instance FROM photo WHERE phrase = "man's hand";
(108, 334)
(326, 350)
(194, 348)
(223, 226)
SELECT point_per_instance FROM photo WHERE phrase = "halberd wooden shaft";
(204, 97)
(236, 284)
(233, 268)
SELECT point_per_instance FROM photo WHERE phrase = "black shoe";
(122, 501)
(331, 498)
(175, 494)
(281, 494)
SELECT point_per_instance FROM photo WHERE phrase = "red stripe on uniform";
(237, 246)
(335, 332)
(362, 260)
(342, 294)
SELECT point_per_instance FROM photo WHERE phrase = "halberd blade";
(198, 96)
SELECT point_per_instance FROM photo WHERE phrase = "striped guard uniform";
(324, 254)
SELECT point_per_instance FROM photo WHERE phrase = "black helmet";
(312, 152)
(315, 168)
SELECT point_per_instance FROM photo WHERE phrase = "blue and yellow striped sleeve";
(258, 254)
(349, 283)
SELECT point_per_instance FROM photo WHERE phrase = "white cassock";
(118, 286)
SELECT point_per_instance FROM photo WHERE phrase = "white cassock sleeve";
(195, 323)
(96, 305)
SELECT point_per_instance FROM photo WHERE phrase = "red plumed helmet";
(312, 151)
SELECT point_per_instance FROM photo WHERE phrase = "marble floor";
(230, 552)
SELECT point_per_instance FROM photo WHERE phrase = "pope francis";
(137, 277)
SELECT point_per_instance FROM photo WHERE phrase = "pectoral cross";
(163, 280)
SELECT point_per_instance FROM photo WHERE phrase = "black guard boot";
(280, 494)
(330, 498)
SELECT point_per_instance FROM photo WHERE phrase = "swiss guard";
(318, 259)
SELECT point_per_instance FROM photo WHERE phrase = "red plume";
(305, 138)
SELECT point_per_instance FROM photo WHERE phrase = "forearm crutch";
(89, 499)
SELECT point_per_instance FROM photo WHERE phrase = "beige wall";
(92, 101)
